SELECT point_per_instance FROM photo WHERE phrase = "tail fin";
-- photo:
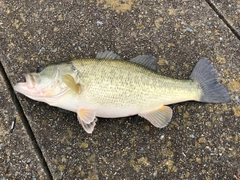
(205, 74)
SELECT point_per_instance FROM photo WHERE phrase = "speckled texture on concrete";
(18, 158)
(201, 142)
(230, 10)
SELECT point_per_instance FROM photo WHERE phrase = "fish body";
(115, 84)
(109, 87)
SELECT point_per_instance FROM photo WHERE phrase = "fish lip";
(28, 87)
(23, 88)
(30, 81)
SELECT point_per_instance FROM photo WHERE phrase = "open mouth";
(30, 81)
(28, 87)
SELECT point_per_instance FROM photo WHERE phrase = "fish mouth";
(30, 81)
(28, 87)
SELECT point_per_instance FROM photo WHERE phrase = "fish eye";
(39, 69)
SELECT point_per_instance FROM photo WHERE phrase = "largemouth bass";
(109, 87)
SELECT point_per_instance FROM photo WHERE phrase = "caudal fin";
(205, 74)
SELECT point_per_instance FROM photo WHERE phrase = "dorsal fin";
(147, 61)
(107, 55)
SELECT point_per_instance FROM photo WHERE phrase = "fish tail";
(211, 90)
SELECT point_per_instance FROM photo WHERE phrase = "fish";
(109, 87)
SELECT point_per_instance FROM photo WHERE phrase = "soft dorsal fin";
(107, 55)
(147, 61)
(160, 117)
(70, 82)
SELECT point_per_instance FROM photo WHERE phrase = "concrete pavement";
(201, 142)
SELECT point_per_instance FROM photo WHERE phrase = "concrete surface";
(230, 10)
(201, 142)
(18, 159)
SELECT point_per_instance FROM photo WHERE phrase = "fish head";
(42, 86)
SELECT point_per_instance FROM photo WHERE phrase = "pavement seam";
(25, 123)
(222, 17)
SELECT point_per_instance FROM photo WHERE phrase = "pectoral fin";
(160, 117)
(70, 82)
(87, 119)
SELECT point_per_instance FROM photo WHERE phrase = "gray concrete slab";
(18, 159)
(201, 142)
(231, 11)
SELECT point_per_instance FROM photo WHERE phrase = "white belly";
(110, 112)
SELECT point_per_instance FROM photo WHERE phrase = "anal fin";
(160, 117)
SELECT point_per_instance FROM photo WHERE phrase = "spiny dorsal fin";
(107, 55)
(70, 82)
(147, 61)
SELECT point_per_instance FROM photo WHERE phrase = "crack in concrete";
(222, 17)
(25, 122)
